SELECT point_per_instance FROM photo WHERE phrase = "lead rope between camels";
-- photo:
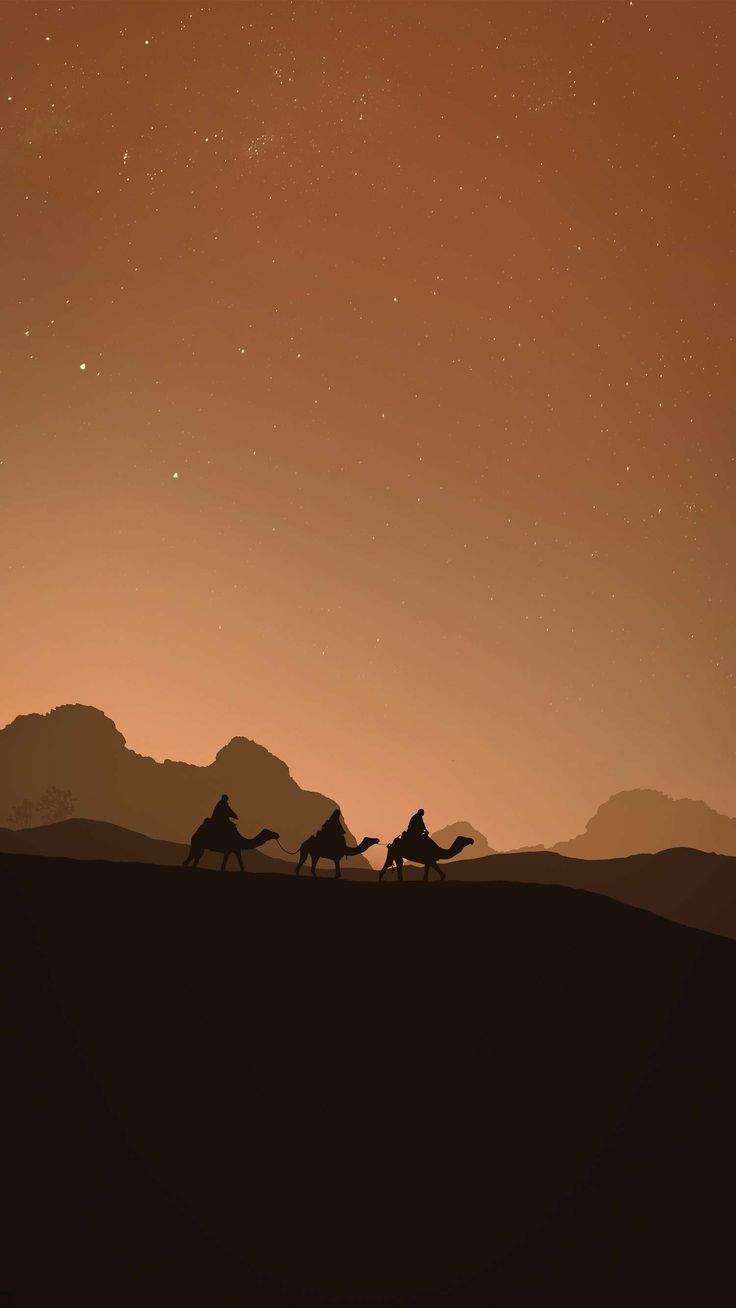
(287, 851)
(291, 852)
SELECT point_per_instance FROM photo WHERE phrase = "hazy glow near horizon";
(369, 390)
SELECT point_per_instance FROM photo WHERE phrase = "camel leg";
(302, 859)
(225, 857)
(239, 857)
(315, 861)
(399, 869)
(386, 867)
(338, 873)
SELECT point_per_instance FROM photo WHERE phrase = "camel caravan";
(415, 845)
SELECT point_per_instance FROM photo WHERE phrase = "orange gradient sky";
(368, 390)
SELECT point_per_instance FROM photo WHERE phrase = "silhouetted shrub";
(55, 805)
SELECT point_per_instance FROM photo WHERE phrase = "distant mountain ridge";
(629, 822)
(644, 821)
(479, 849)
(78, 748)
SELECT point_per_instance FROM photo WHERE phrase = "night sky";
(367, 381)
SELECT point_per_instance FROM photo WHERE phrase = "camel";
(421, 850)
(225, 839)
(324, 846)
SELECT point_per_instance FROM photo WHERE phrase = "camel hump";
(416, 847)
(222, 826)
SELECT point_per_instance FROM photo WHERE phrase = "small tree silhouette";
(21, 815)
(56, 805)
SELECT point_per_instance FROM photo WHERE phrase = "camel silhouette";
(420, 849)
(225, 839)
(324, 845)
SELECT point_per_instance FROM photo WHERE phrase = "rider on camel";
(332, 829)
(416, 825)
(222, 811)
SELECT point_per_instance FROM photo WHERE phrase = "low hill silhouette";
(644, 821)
(684, 885)
(221, 1091)
(77, 748)
(479, 849)
(80, 838)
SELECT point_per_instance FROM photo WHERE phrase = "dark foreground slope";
(689, 886)
(235, 1089)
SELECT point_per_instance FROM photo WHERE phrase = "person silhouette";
(415, 826)
(222, 811)
(332, 828)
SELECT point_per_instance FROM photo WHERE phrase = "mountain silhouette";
(77, 748)
(644, 821)
(630, 822)
(480, 847)
(228, 1089)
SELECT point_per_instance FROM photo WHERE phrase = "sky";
(367, 390)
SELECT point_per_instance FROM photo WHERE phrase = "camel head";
(460, 842)
(254, 841)
(365, 843)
